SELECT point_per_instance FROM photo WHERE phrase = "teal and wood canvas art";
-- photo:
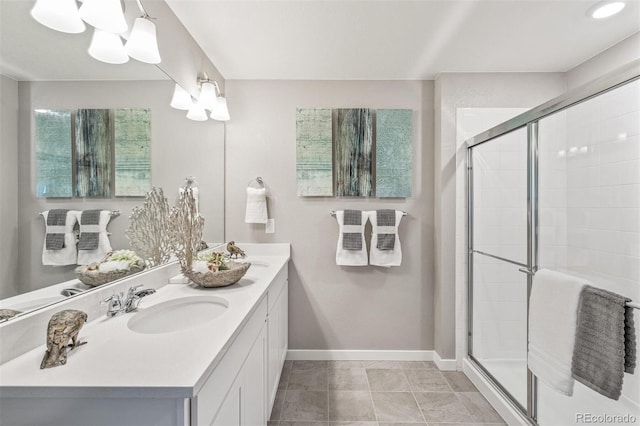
(93, 153)
(353, 149)
(132, 152)
(394, 152)
(53, 153)
(314, 165)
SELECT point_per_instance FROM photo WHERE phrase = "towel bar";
(113, 213)
(333, 213)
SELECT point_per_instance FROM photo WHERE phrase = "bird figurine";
(64, 326)
(234, 250)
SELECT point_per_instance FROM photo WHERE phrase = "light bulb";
(207, 98)
(197, 113)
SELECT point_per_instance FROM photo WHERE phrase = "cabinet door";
(273, 326)
(253, 390)
(229, 413)
(283, 333)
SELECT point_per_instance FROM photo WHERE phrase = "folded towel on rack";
(352, 240)
(88, 239)
(67, 253)
(386, 222)
(553, 312)
(354, 234)
(56, 220)
(385, 243)
(88, 256)
(599, 355)
(256, 205)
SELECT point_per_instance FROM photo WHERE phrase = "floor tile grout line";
(416, 401)
(373, 405)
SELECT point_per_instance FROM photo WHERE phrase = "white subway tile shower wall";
(595, 232)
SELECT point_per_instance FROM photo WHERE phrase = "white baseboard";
(371, 355)
(444, 364)
(358, 355)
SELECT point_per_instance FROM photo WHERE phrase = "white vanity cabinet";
(241, 390)
(232, 385)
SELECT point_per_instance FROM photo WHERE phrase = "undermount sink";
(178, 314)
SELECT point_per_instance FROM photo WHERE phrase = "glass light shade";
(197, 113)
(59, 15)
(143, 44)
(181, 99)
(104, 14)
(220, 112)
(207, 98)
(107, 47)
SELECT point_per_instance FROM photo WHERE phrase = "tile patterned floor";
(377, 393)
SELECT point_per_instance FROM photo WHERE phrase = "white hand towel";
(256, 205)
(68, 254)
(386, 258)
(553, 312)
(351, 257)
(86, 257)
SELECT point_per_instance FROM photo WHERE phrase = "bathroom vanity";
(188, 356)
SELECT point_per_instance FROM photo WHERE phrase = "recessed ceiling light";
(606, 9)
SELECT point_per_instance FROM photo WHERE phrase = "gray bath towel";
(386, 217)
(629, 340)
(352, 240)
(89, 240)
(56, 217)
(601, 342)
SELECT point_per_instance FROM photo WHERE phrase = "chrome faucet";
(117, 303)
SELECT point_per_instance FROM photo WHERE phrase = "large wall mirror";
(42, 69)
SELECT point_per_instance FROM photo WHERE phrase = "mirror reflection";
(46, 70)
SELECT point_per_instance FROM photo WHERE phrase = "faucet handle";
(115, 297)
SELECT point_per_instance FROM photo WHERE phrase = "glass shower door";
(498, 299)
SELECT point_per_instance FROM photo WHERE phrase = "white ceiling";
(398, 40)
(29, 51)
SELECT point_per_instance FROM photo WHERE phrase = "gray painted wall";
(333, 307)
(8, 187)
(466, 90)
(177, 151)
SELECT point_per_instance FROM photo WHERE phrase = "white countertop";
(118, 362)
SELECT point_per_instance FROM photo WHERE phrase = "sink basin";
(178, 314)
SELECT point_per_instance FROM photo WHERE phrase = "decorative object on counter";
(94, 242)
(185, 228)
(63, 328)
(68, 253)
(5, 314)
(115, 265)
(213, 261)
(192, 182)
(209, 275)
(234, 250)
(256, 211)
(147, 232)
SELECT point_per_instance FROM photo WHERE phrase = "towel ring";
(257, 180)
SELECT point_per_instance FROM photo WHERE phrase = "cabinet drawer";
(219, 383)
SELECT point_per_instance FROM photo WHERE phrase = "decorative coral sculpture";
(147, 232)
(185, 229)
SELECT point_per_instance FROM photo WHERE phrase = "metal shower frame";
(528, 120)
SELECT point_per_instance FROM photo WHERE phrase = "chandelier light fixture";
(107, 17)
